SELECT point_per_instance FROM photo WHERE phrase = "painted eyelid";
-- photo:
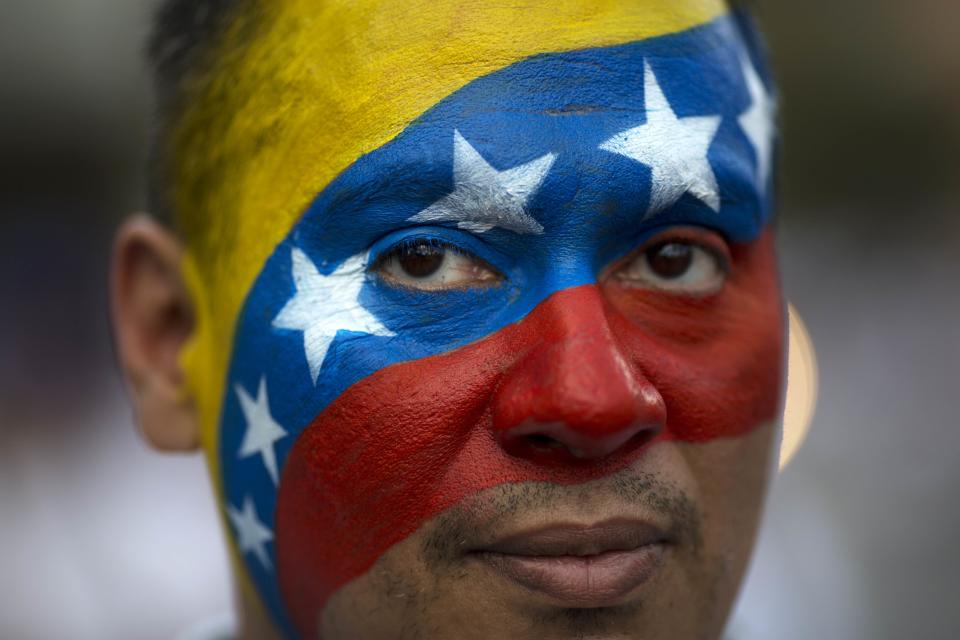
(463, 243)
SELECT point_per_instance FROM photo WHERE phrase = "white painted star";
(262, 430)
(484, 198)
(674, 148)
(252, 534)
(757, 121)
(324, 305)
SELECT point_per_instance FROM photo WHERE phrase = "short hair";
(180, 47)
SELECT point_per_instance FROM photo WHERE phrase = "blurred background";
(101, 538)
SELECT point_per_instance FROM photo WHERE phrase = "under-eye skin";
(429, 264)
(681, 261)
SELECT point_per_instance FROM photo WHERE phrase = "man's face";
(514, 371)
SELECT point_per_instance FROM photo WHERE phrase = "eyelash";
(409, 243)
(707, 240)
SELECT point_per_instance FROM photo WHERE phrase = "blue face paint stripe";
(591, 204)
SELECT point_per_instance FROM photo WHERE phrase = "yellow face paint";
(300, 89)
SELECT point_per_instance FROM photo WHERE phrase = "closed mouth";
(580, 565)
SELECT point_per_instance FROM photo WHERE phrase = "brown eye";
(670, 260)
(421, 259)
(688, 263)
(431, 265)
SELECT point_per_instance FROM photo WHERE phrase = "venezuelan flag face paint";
(498, 247)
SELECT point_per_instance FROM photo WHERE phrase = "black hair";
(180, 47)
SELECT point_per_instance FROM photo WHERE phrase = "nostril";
(536, 445)
(556, 441)
(640, 439)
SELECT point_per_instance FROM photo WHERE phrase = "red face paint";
(414, 439)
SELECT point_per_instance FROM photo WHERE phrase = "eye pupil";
(421, 259)
(670, 260)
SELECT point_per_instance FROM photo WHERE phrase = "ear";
(152, 320)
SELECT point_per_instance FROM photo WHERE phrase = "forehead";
(562, 108)
(303, 88)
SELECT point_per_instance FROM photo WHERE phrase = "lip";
(580, 565)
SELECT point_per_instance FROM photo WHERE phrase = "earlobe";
(152, 319)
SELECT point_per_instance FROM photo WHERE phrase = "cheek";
(717, 362)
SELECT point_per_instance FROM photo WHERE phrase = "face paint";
(414, 439)
(359, 407)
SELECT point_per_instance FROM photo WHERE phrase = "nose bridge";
(575, 387)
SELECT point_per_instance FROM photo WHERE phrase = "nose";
(574, 392)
